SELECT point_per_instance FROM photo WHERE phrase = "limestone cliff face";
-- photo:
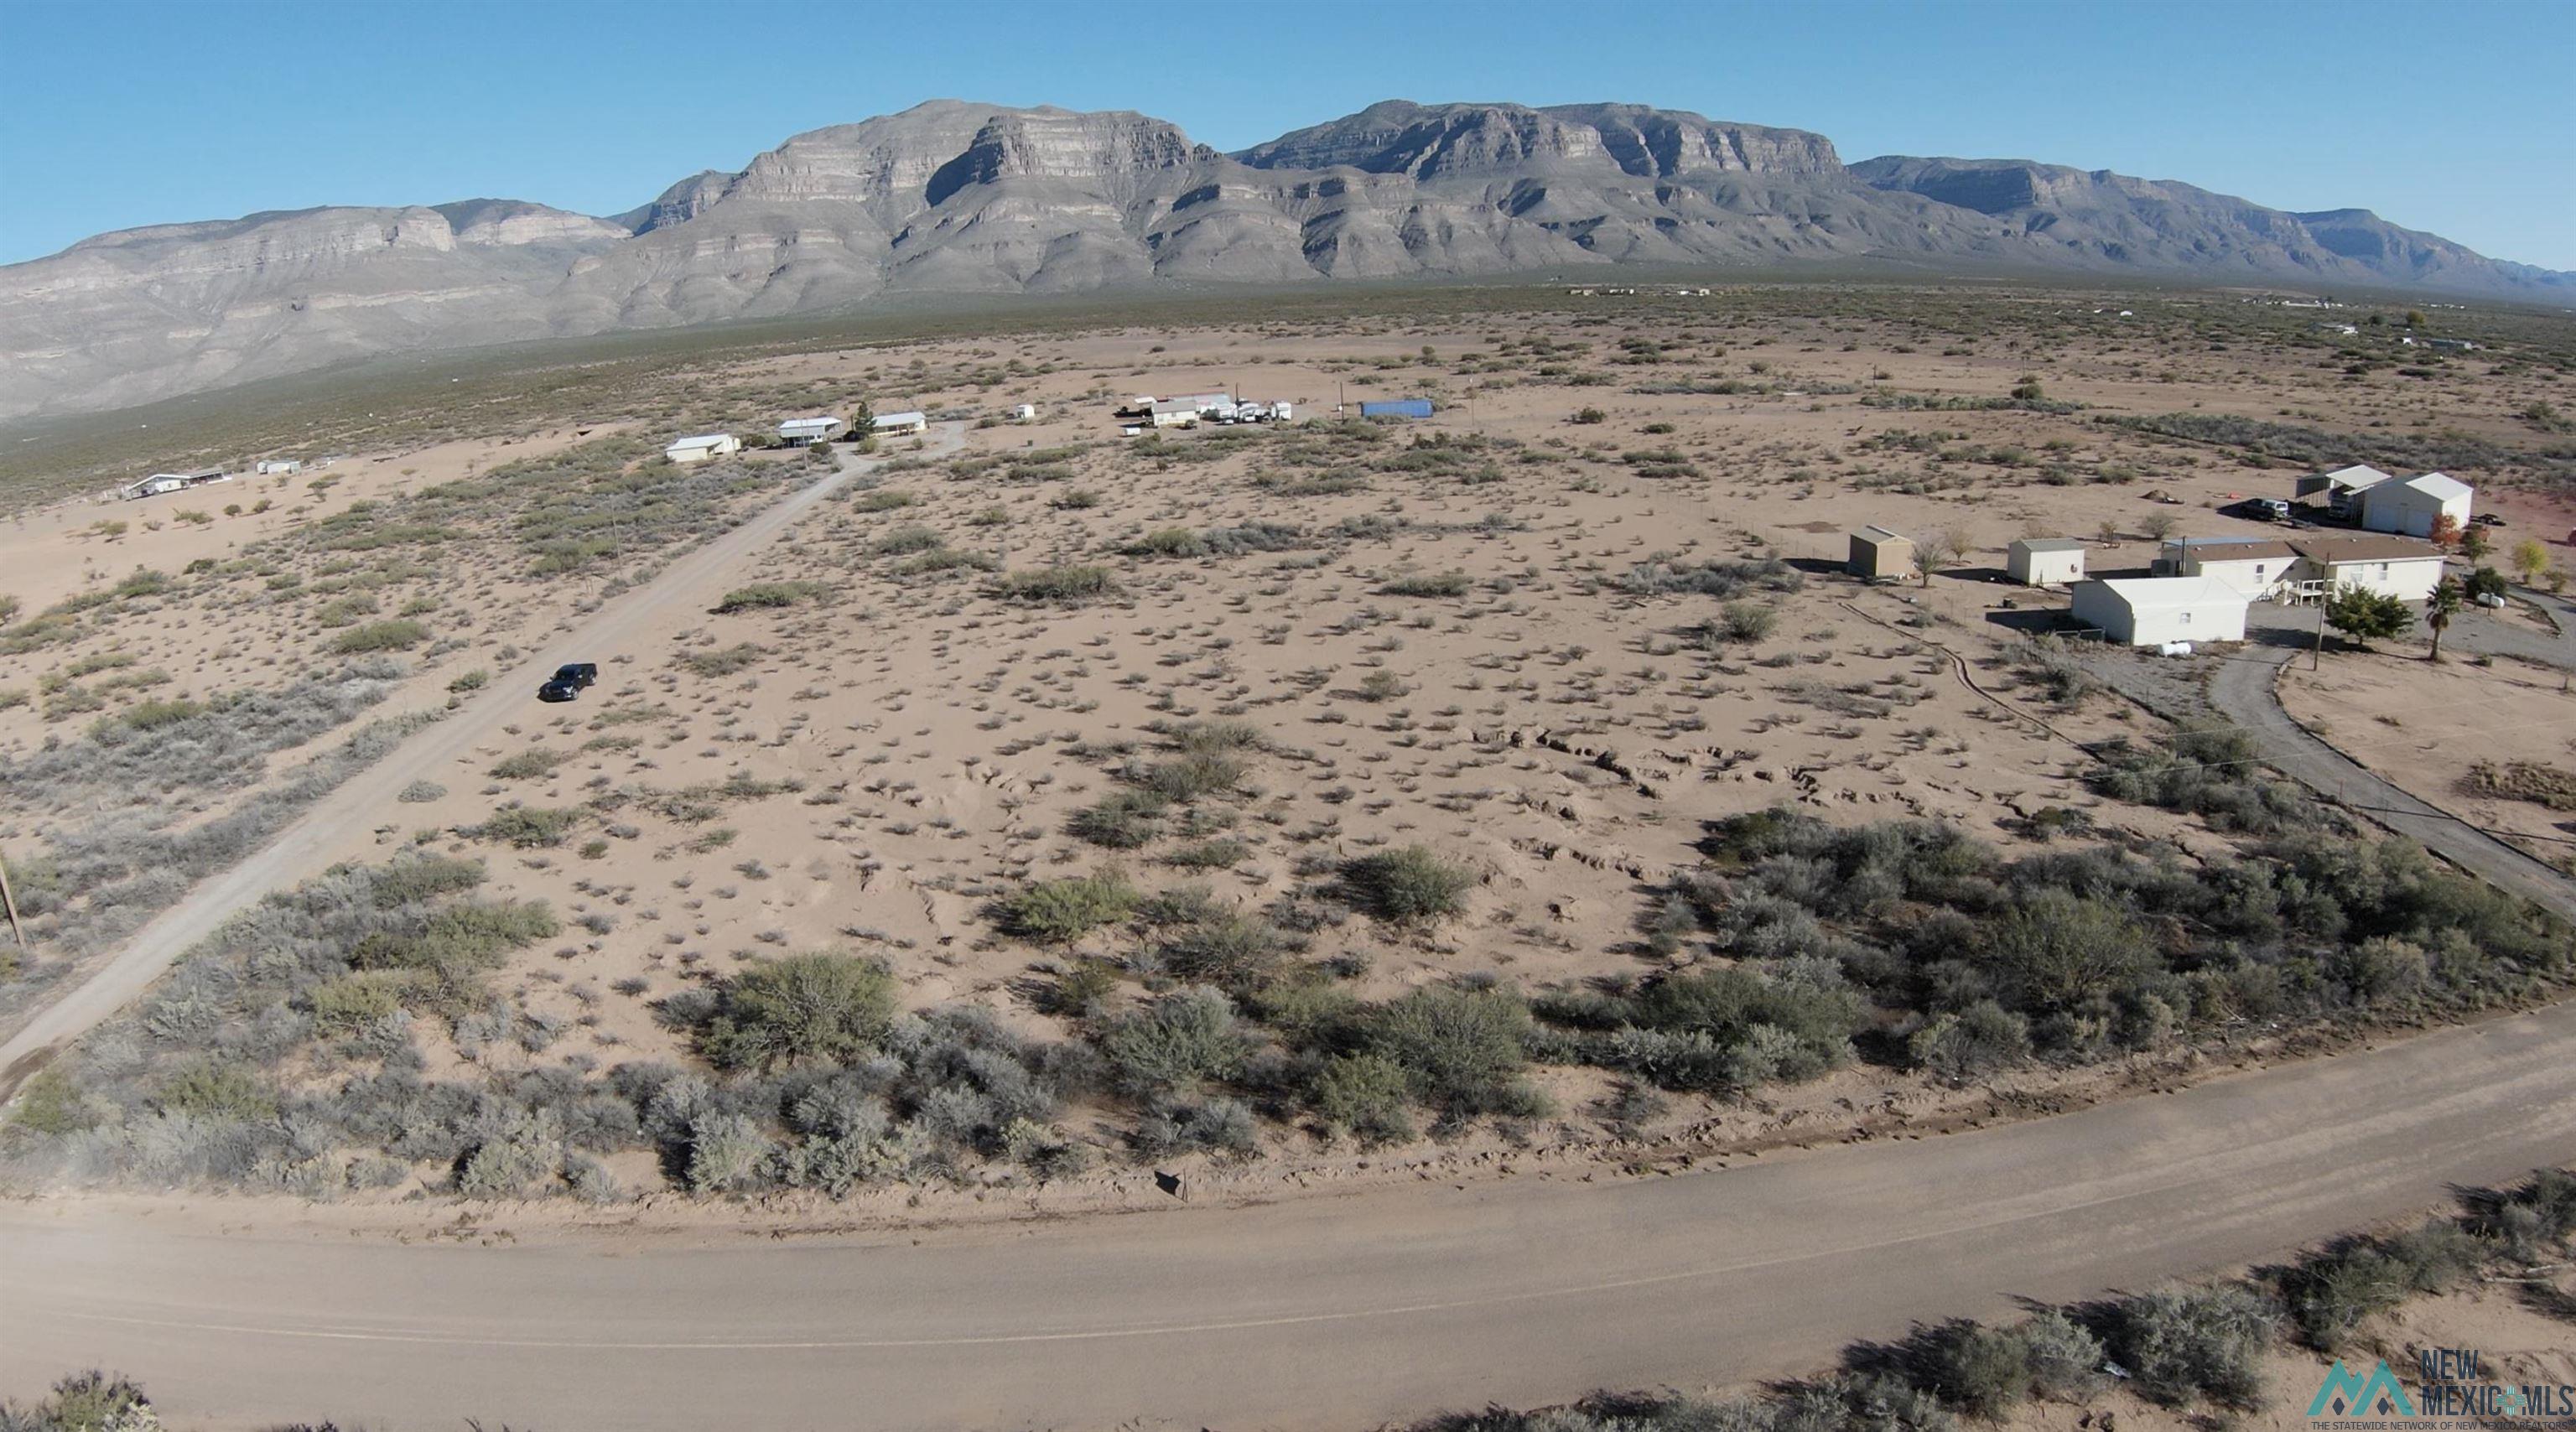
(957, 197)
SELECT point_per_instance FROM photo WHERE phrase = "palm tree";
(2444, 605)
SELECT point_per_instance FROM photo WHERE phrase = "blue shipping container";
(1399, 408)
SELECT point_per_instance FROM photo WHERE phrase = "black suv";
(568, 681)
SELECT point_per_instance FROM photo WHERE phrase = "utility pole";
(2317, 657)
(9, 902)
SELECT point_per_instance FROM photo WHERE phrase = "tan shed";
(1877, 552)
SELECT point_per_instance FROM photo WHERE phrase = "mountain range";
(957, 198)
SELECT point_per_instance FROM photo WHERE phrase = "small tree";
(2475, 544)
(2158, 526)
(2362, 615)
(1938, 549)
(2483, 583)
(2446, 531)
(2530, 559)
(2448, 597)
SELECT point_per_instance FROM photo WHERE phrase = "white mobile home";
(2255, 566)
(702, 446)
(2416, 505)
(802, 432)
(901, 425)
(2392, 566)
(161, 482)
(2151, 611)
(2045, 561)
(279, 467)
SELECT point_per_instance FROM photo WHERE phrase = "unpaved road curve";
(2245, 690)
(1319, 1312)
(367, 800)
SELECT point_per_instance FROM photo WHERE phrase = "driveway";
(368, 799)
(2241, 690)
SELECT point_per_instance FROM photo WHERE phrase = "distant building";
(279, 467)
(1025, 411)
(1397, 408)
(1877, 553)
(2152, 611)
(2045, 561)
(161, 482)
(901, 425)
(2451, 345)
(702, 446)
(2416, 505)
(803, 432)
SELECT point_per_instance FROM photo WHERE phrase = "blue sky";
(2454, 117)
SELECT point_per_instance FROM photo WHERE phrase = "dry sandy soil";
(2421, 726)
(1470, 640)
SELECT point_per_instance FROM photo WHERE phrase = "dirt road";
(1316, 1313)
(2243, 691)
(368, 799)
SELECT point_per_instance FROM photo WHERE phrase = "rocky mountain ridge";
(956, 197)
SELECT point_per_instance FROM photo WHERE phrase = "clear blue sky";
(2457, 116)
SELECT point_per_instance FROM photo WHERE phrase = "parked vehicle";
(2486, 519)
(569, 681)
(2273, 508)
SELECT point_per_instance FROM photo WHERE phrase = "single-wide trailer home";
(2152, 611)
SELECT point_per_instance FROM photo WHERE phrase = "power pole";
(2317, 657)
(9, 902)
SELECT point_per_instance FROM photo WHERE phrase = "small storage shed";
(1025, 412)
(1397, 408)
(1877, 552)
(2151, 611)
(2045, 561)
(702, 446)
(900, 425)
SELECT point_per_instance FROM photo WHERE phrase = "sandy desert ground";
(1494, 634)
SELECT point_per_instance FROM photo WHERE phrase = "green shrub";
(1408, 886)
(528, 826)
(2189, 1343)
(1061, 586)
(1445, 584)
(906, 540)
(399, 634)
(1194, 777)
(1120, 820)
(1982, 1039)
(804, 1009)
(1177, 1043)
(356, 1001)
(1059, 912)
(723, 662)
(1463, 1050)
(1169, 542)
(762, 595)
(529, 764)
(212, 1088)
(1984, 1372)
(1366, 1096)
(882, 499)
(1233, 951)
(153, 714)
